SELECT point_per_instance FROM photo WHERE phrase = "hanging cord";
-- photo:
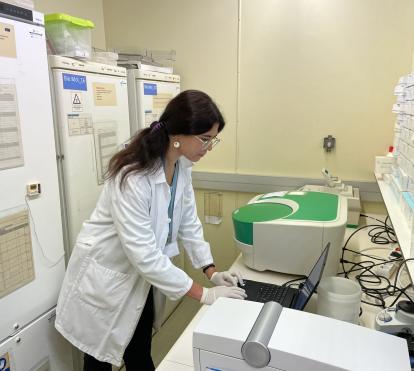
(377, 233)
(377, 236)
(380, 234)
(50, 263)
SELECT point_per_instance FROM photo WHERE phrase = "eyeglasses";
(207, 143)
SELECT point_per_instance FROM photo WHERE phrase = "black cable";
(380, 234)
(294, 280)
(402, 291)
(378, 237)
(347, 241)
(375, 238)
(368, 256)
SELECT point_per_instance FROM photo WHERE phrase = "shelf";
(398, 221)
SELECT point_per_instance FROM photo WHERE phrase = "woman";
(121, 264)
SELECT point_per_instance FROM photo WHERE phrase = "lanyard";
(173, 189)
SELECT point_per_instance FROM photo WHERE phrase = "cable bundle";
(381, 234)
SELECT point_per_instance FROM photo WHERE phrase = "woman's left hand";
(226, 278)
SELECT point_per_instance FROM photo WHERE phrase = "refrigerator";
(32, 259)
(148, 93)
(90, 103)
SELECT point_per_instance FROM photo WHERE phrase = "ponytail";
(142, 153)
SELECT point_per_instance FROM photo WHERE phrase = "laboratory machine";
(397, 319)
(32, 263)
(244, 336)
(287, 231)
(334, 185)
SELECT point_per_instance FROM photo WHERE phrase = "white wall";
(294, 72)
(309, 68)
(204, 35)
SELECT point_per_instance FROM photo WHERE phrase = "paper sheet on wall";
(159, 102)
(213, 207)
(79, 124)
(16, 255)
(7, 41)
(11, 149)
(106, 144)
(150, 117)
(104, 94)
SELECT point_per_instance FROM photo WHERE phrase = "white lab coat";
(120, 252)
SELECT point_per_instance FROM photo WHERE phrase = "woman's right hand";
(210, 295)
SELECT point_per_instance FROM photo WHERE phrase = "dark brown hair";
(191, 112)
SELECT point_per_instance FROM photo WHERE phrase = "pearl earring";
(176, 144)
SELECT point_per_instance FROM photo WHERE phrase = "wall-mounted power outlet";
(33, 189)
(329, 143)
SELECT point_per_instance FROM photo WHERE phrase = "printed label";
(74, 82)
(150, 89)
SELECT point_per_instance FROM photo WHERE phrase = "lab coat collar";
(183, 162)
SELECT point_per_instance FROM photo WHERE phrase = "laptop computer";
(287, 296)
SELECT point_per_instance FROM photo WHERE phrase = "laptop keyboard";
(272, 293)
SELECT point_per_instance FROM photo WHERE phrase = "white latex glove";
(226, 278)
(210, 295)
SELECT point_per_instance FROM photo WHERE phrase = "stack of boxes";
(401, 174)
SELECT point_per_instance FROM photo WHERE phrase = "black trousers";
(137, 356)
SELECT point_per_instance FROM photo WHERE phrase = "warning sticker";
(77, 101)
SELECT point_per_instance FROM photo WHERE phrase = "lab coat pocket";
(103, 289)
(80, 251)
(79, 261)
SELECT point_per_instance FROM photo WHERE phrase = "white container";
(339, 298)
(383, 164)
(69, 36)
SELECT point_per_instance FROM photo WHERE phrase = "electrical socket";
(388, 268)
(33, 189)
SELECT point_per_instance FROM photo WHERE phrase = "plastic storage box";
(69, 36)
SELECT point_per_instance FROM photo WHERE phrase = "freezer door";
(151, 99)
(31, 243)
(91, 114)
(37, 347)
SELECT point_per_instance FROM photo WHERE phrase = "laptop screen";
(312, 281)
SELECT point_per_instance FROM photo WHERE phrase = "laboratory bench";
(180, 356)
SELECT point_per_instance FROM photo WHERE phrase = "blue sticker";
(4, 363)
(74, 82)
(150, 89)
